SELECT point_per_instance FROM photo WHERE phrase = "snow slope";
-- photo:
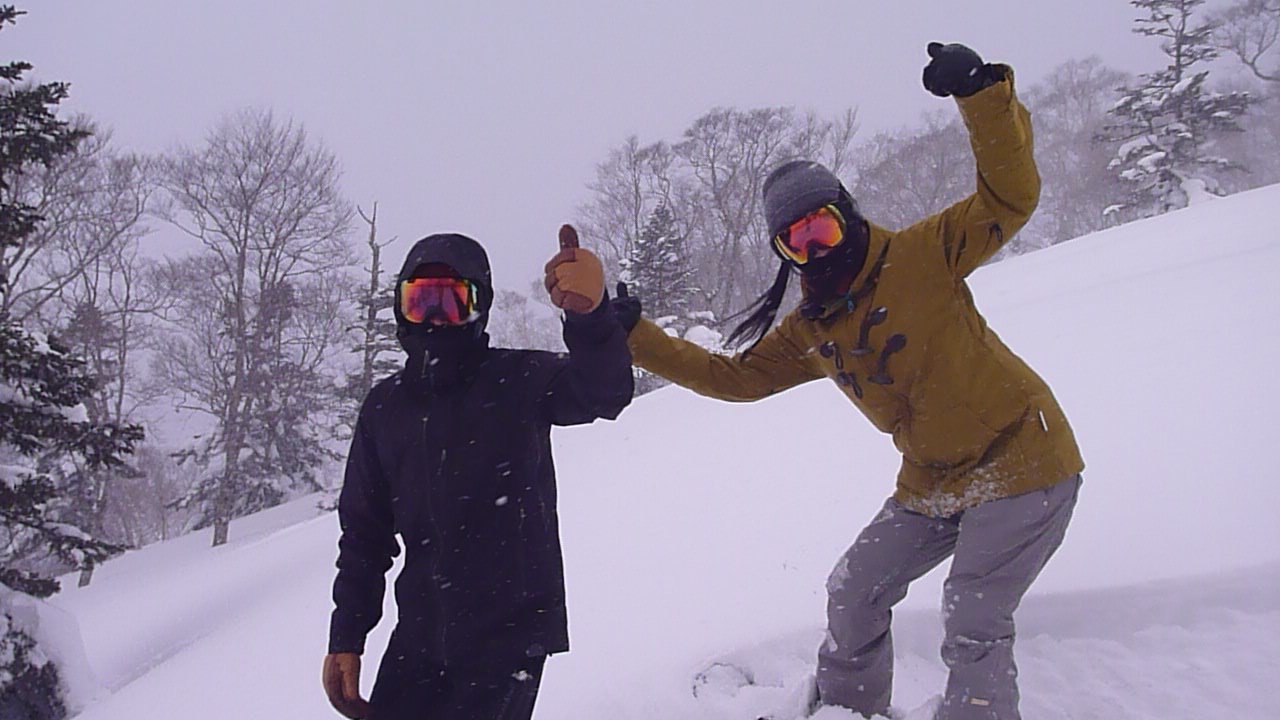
(692, 537)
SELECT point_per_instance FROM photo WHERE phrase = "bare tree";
(92, 201)
(628, 184)
(375, 331)
(710, 181)
(1250, 30)
(909, 174)
(1069, 108)
(142, 506)
(263, 201)
(729, 153)
(75, 277)
(107, 324)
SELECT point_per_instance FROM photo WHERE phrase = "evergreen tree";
(44, 429)
(1165, 125)
(90, 336)
(657, 269)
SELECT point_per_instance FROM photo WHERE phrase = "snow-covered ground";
(693, 537)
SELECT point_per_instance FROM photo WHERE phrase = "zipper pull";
(873, 318)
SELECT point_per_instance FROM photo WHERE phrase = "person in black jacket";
(453, 454)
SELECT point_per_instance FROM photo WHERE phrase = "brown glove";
(342, 684)
(575, 277)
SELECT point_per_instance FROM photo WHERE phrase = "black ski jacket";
(464, 476)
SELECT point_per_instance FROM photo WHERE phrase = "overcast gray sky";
(488, 117)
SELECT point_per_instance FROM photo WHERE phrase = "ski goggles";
(819, 230)
(439, 300)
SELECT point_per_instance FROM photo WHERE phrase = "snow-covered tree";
(45, 433)
(657, 269)
(1165, 125)
(90, 337)
(519, 321)
(1070, 107)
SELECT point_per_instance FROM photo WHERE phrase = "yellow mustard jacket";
(908, 347)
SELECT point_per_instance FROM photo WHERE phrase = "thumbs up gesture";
(574, 276)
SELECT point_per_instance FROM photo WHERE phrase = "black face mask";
(441, 357)
(829, 277)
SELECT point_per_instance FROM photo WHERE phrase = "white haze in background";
(489, 118)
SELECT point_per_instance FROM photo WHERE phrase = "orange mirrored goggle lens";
(439, 301)
(816, 231)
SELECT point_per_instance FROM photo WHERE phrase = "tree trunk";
(221, 526)
(371, 308)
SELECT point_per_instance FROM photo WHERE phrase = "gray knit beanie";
(795, 189)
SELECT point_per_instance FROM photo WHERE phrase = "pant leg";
(1001, 549)
(855, 662)
(408, 690)
(506, 693)
(424, 691)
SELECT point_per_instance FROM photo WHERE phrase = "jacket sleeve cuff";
(593, 327)
(993, 98)
(600, 312)
(341, 641)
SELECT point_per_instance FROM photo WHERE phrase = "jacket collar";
(437, 365)
(864, 283)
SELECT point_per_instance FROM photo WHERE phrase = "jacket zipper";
(439, 540)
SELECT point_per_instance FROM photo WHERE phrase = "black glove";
(957, 70)
(626, 308)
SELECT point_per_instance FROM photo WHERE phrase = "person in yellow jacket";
(990, 468)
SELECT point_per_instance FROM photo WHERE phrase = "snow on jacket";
(909, 348)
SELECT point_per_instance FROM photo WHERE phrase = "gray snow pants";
(999, 548)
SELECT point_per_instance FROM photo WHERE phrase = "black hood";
(459, 252)
(440, 357)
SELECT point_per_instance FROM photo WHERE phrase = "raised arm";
(1008, 185)
(595, 381)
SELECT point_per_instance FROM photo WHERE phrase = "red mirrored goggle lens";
(439, 301)
(818, 230)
